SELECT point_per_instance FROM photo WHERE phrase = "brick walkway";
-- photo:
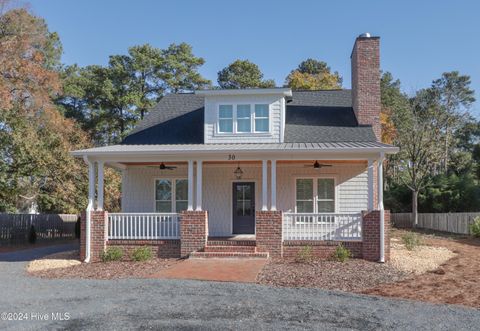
(223, 270)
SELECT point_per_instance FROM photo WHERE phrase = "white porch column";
(100, 189)
(370, 185)
(199, 186)
(91, 201)
(190, 185)
(264, 186)
(380, 207)
(273, 175)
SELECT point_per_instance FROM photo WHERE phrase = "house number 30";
(231, 157)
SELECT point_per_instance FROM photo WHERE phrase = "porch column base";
(371, 235)
(193, 231)
(98, 235)
(268, 232)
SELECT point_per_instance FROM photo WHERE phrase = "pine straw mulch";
(353, 275)
(108, 270)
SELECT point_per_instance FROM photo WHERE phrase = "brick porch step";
(226, 242)
(203, 255)
(230, 248)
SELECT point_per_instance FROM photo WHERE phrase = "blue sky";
(419, 39)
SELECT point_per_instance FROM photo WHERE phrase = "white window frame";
(254, 115)
(174, 191)
(315, 193)
(235, 132)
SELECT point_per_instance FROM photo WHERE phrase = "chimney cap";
(365, 35)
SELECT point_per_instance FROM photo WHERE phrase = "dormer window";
(243, 118)
(225, 119)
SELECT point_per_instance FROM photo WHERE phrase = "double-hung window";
(243, 118)
(171, 195)
(225, 118)
(315, 195)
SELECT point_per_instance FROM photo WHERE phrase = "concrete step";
(204, 255)
(230, 249)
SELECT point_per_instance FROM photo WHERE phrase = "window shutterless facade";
(243, 118)
(315, 195)
(171, 195)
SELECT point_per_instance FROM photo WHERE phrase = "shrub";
(341, 253)
(305, 254)
(32, 235)
(112, 254)
(475, 227)
(142, 254)
(411, 240)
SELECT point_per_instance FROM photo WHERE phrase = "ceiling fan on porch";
(164, 167)
(317, 165)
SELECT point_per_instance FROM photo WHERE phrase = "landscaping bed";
(68, 265)
(353, 275)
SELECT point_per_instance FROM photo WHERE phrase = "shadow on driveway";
(36, 253)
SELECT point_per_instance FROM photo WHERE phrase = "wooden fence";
(14, 228)
(447, 222)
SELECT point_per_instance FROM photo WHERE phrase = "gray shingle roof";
(311, 116)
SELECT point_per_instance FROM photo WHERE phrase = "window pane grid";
(323, 194)
(171, 198)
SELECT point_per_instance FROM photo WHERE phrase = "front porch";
(303, 195)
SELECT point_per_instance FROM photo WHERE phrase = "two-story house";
(250, 172)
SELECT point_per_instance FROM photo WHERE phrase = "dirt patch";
(453, 282)
(420, 260)
(53, 261)
(108, 270)
(352, 275)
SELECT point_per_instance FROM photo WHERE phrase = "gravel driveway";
(161, 304)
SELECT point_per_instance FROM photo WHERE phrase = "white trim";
(173, 201)
(264, 185)
(250, 91)
(273, 190)
(190, 185)
(88, 215)
(315, 191)
(199, 186)
(370, 184)
(282, 119)
(100, 188)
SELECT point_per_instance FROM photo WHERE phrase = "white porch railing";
(308, 226)
(143, 226)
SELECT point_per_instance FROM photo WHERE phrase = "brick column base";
(371, 235)
(193, 231)
(268, 232)
(98, 235)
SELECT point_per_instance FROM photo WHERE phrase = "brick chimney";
(366, 81)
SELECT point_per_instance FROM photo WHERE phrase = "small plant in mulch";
(142, 254)
(411, 240)
(112, 254)
(32, 235)
(475, 227)
(341, 253)
(305, 255)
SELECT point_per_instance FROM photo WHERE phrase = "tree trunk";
(415, 208)
(445, 165)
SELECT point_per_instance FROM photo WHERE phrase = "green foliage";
(305, 254)
(341, 253)
(32, 235)
(142, 254)
(411, 240)
(475, 227)
(112, 254)
(312, 74)
(242, 74)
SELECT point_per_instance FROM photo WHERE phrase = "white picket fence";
(308, 226)
(143, 226)
(446, 222)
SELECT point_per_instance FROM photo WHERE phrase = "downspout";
(88, 211)
(380, 207)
